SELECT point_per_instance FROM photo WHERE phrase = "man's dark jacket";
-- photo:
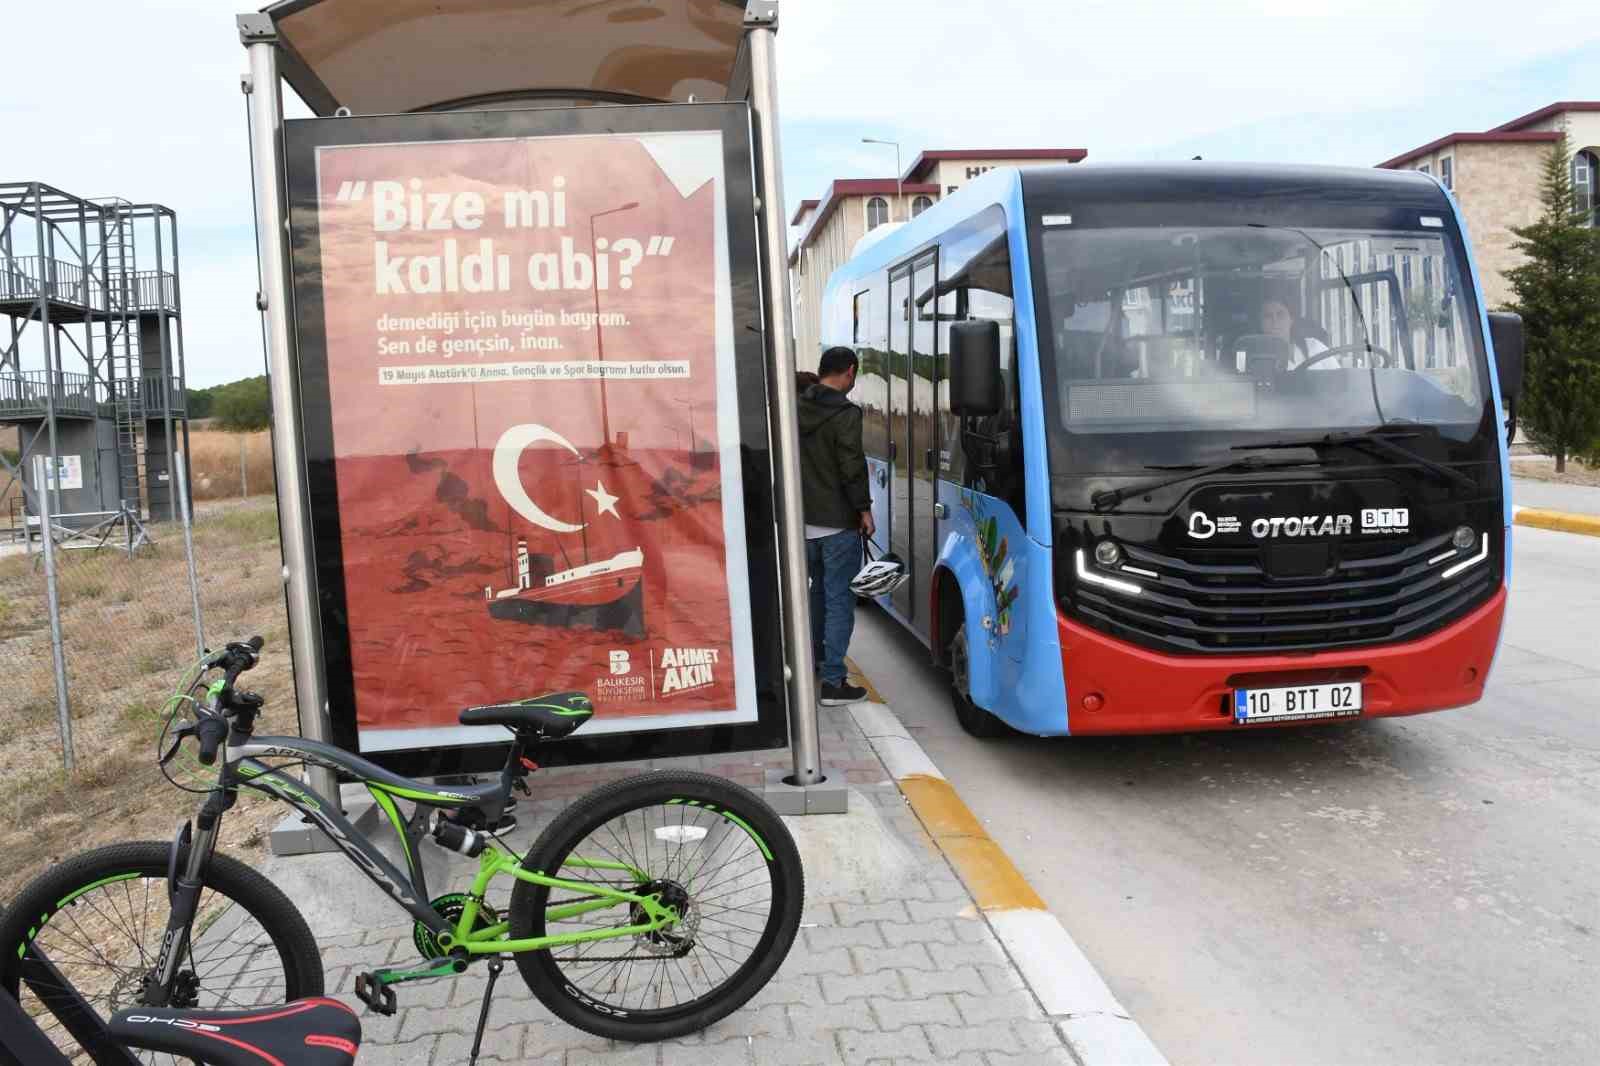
(833, 469)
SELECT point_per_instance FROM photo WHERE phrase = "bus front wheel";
(974, 719)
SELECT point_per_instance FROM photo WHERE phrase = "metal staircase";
(124, 361)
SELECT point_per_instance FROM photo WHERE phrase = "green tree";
(1558, 296)
(243, 405)
(199, 402)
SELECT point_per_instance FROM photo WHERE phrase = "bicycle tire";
(88, 903)
(727, 813)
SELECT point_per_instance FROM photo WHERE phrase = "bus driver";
(1278, 321)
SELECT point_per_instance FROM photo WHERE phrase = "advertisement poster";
(535, 430)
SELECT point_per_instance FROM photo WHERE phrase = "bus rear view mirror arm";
(1505, 331)
(975, 386)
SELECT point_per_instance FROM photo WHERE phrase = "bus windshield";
(1160, 330)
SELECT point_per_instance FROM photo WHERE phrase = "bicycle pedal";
(375, 994)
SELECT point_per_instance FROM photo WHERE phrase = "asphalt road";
(1414, 890)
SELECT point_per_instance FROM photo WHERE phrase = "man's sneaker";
(843, 692)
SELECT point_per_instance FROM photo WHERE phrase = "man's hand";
(867, 525)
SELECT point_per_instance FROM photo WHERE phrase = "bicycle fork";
(183, 894)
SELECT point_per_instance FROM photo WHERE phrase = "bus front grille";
(1216, 602)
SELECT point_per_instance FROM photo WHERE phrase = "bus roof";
(1199, 182)
(1195, 182)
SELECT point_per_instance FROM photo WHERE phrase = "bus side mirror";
(1505, 330)
(975, 386)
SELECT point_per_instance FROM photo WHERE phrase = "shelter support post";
(811, 789)
(259, 37)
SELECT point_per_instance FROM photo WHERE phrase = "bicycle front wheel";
(99, 918)
(707, 847)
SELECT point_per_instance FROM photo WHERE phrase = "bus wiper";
(1374, 442)
(1106, 499)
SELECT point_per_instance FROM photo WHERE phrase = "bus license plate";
(1342, 700)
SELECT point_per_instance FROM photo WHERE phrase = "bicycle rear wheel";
(99, 919)
(708, 847)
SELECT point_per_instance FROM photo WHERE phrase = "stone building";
(830, 228)
(1494, 175)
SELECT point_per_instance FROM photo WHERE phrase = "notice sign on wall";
(68, 473)
(532, 395)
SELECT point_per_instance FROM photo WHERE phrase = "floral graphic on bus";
(994, 553)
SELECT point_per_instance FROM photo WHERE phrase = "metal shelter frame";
(322, 46)
(91, 279)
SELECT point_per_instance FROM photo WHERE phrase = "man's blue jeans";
(831, 562)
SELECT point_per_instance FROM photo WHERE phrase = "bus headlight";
(1463, 538)
(1094, 578)
(1107, 553)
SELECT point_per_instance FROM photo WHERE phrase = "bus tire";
(974, 719)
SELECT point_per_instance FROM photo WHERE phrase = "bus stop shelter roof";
(419, 55)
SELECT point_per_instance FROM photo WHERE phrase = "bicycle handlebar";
(212, 732)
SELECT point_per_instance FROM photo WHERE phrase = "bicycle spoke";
(105, 943)
(693, 855)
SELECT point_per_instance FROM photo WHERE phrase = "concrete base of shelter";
(830, 795)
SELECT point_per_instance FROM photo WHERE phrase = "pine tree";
(1558, 296)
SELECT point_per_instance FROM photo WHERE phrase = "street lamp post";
(899, 187)
(599, 335)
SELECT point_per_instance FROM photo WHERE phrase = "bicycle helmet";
(880, 576)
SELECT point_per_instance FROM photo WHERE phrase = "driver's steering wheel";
(1348, 349)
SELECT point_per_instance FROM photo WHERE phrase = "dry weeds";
(1576, 473)
(129, 633)
(214, 461)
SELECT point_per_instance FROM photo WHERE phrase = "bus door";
(922, 463)
(901, 452)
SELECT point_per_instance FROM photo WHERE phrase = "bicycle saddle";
(307, 1032)
(541, 718)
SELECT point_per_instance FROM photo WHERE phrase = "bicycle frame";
(409, 888)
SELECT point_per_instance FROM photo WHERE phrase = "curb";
(1097, 1028)
(1561, 521)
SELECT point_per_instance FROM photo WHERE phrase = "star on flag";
(604, 502)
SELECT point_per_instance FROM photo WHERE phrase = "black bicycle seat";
(307, 1032)
(541, 718)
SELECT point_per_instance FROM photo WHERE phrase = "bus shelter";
(451, 89)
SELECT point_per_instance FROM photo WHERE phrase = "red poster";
(535, 438)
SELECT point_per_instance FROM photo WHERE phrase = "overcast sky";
(147, 105)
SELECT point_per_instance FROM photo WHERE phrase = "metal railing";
(154, 289)
(28, 394)
(28, 277)
(154, 402)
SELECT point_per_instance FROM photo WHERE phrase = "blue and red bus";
(1187, 447)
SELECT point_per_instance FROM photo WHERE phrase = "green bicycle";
(648, 909)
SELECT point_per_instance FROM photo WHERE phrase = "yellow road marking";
(984, 867)
(862, 680)
(1562, 521)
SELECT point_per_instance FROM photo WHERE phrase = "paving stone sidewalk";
(903, 970)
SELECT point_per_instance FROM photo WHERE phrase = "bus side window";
(870, 339)
(975, 283)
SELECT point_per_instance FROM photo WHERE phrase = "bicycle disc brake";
(450, 907)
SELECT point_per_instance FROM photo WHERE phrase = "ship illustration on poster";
(603, 594)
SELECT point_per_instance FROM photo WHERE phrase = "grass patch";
(138, 713)
(153, 662)
(253, 525)
(155, 618)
